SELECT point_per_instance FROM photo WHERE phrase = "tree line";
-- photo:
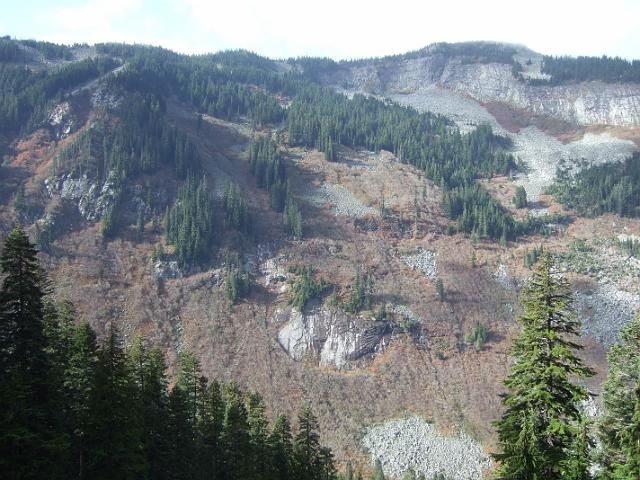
(73, 407)
(566, 69)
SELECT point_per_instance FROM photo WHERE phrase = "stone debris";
(423, 260)
(167, 269)
(342, 201)
(502, 277)
(62, 120)
(406, 313)
(606, 311)
(466, 113)
(415, 443)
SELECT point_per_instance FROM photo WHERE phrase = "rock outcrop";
(331, 336)
(587, 103)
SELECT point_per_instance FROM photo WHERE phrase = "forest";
(599, 189)
(580, 69)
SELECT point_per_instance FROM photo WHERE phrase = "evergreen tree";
(114, 438)
(280, 441)
(150, 403)
(520, 198)
(307, 445)
(378, 473)
(440, 289)
(31, 436)
(541, 420)
(258, 428)
(619, 401)
(79, 387)
(235, 436)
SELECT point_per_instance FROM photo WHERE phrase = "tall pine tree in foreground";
(619, 425)
(539, 432)
(30, 430)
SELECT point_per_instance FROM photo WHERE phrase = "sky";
(340, 29)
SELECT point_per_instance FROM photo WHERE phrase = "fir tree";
(541, 420)
(280, 441)
(620, 402)
(31, 435)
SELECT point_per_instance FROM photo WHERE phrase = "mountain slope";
(95, 166)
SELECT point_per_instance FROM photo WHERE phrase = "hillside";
(119, 161)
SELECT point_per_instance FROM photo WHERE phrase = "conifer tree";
(378, 473)
(620, 403)
(280, 441)
(307, 445)
(114, 437)
(541, 421)
(30, 431)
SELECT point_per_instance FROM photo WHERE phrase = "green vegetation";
(236, 210)
(305, 287)
(531, 257)
(236, 281)
(619, 426)
(26, 95)
(479, 336)
(268, 169)
(361, 294)
(440, 290)
(189, 222)
(141, 142)
(539, 432)
(630, 246)
(580, 69)
(520, 198)
(599, 189)
(74, 408)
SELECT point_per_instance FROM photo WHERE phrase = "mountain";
(338, 233)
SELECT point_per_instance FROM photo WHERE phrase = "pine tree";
(114, 435)
(378, 473)
(541, 420)
(258, 432)
(30, 430)
(150, 403)
(280, 441)
(440, 289)
(235, 436)
(79, 387)
(307, 445)
(619, 401)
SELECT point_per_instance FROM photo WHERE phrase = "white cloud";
(348, 29)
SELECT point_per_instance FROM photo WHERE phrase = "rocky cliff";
(588, 103)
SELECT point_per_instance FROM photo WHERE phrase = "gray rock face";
(587, 103)
(62, 120)
(333, 337)
(92, 199)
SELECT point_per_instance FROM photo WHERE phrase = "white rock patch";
(414, 443)
(408, 314)
(606, 311)
(424, 260)
(342, 201)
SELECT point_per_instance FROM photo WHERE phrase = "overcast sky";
(333, 28)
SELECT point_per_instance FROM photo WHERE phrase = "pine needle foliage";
(541, 421)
